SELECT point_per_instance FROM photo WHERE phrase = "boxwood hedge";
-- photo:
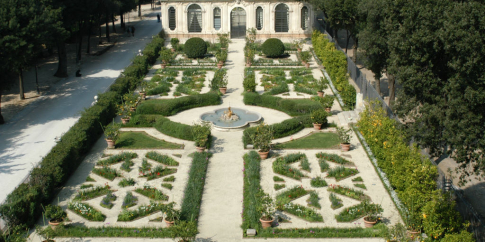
(289, 106)
(169, 107)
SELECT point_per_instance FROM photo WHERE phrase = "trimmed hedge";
(289, 106)
(283, 129)
(195, 187)
(251, 192)
(24, 204)
(336, 65)
(195, 48)
(169, 107)
(273, 47)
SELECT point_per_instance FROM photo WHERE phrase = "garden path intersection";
(220, 216)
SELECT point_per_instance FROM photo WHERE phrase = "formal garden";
(302, 174)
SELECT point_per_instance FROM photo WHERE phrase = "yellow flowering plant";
(262, 137)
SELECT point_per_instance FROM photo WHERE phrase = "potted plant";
(262, 139)
(372, 213)
(344, 136)
(125, 112)
(175, 44)
(327, 102)
(414, 223)
(143, 86)
(251, 35)
(131, 100)
(201, 133)
(171, 214)
(250, 53)
(267, 209)
(112, 132)
(185, 230)
(397, 233)
(223, 83)
(165, 57)
(321, 85)
(221, 57)
(223, 40)
(55, 214)
(305, 57)
(298, 44)
(319, 118)
(47, 233)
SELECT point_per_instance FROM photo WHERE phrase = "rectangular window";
(259, 18)
(217, 18)
(171, 18)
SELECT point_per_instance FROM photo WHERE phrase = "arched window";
(171, 18)
(281, 18)
(217, 18)
(304, 18)
(194, 18)
(259, 18)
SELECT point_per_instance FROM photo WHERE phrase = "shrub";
(172, 106)
(291, 107)
(249, 82)
(273, 47)
(195, 48)
(252, 179)
(319, 116)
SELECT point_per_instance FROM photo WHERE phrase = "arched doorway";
(238, 23)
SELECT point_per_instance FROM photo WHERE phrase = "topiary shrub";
(195, 48)
(273, 48)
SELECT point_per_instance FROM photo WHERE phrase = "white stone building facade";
(201, 18)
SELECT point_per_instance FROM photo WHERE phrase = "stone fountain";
(230, 118)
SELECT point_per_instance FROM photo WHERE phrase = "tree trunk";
(2, 121)
(122, 23)
(378, 86)
(62, 65)
(347, 44)
(392, 88)
(80, 44)
(335, 36)
(107, 28)
(100, 31)
(88, 51)
(113, 22)
(356, 45)
(139, 8)
(21, 85)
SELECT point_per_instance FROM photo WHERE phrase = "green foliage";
(84, 186)
(86, 211)
(106, 172)
(359, 185)
(107, 201)
(195, 186)
(290, 195)
(152, 193)
(344, 135)
(336, 65)
(88, 194)
(169, 179)
(333, 158)
(174, 42)
(164, 159)
(127, 182)
(279, 186)
(170, 107)
(464, 235)
(129, 200)
(126, 165)
(349, 192)
(117, 158)
(252, 179)
(129, 232)
(55, 212)
(166, 55)
(358, 179)
(336, 201)
(341, 172)
(219, 79)
(305, 165)
(141, 211)
(158, 172)
(185, 230)
(249, 82)
(273, 47)
(325, 232)
(167, 185)
(303, 212)
(318, 182)
(195, 48)
(201, 134)
(319, 116)
(313, 201)
(262, 137)
(317, 140)
(282, 165)
(289, 106)
(112, 131)
(278, 179)
(305, 56)
(324, 166)
(355, 212)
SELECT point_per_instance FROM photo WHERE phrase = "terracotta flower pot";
(320, 93)
(172, 49)
(345, 147)
(54, 222)
(317, 126)
(132, 109)
(163, 65)
(169, 223)
(248, 64)
(328, 110)
(298, 49)
(307, 65)
(266, 223)
(223, 90)
(125, 120)
(263, 155)
(413, 234)
(200, 149)
(111, 143)
(369, 224)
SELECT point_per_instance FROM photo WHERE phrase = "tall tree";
(25, 26)
(439, 61)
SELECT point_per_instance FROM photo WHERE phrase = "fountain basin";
(246, 117)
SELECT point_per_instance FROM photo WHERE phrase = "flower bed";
(116, 158)
(87, 194)
(336, 201)
(290, 195)
(107, 201)
(324, 166)
(129, 200)
(127, 182)
(142, 211)
(355, 212)
(126, 166)
(340, 172)
(152, 193)
(302, 212)
(158, 172)
(86, 211)
(107, 173)
(167, 185)
(318, 182)
(333, 158)
(164, 159)
(313, 201)
(349, 192)
(281, 165)
(169, 179)
(251, 201)
(279, 186)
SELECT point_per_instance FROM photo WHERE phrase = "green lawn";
(313, 141)
(140, 140)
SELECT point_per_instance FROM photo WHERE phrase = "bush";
(289, 106)
(170, 107)
(251, 202)
(174, 129)
(249, 82)
(273, 47)
(195, 48)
